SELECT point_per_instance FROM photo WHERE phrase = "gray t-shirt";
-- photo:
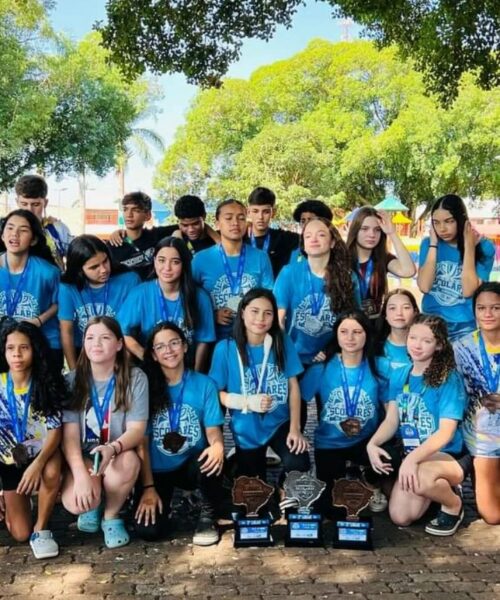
(138, 410)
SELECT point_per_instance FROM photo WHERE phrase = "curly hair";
(159, 397)
(338, 272)
(48, 387)
(443, 360)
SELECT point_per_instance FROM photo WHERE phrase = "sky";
(76, 20)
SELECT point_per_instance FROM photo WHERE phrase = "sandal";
(90, 521)
(115, 533)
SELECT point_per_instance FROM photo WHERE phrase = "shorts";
(464, 460)
(11, 475)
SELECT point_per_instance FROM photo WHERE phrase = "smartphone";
(97, 462)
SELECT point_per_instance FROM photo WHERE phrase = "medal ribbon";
(492, 377)
(405, 408)
(234, 284)
(364, 282)
(316, 299)
(267, 241)
(165, 315)
(11, 303)
(351, 403)
(102, 411)
(260, 382)
(175, 408)
(90, 294)
(19, 427)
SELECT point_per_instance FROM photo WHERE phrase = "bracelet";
(432, 245)
(151, 485)
(120, 444)
(115, 453)
(39, 320)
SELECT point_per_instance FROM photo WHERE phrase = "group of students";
(277, 320)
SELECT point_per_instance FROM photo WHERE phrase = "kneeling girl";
(184, 446)
(104, 425)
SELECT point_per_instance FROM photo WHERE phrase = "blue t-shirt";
(252, 430)
(38, 292)
(448, 401)
(200, 409)
(446, 297)
(80, 306)
(326, 379)
(292, 289)
(208, 271)
(398, 355)
(143, 309)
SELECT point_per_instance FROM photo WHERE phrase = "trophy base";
(353, 535)
(252, 532)
(304, 531)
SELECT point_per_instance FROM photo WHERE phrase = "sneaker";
(445, 524)
(272, 459)
(43, 544)
(378, 501)
(206, 533)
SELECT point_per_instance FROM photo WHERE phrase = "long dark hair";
(48, 387)
(338, 275)
(83, 371)
(187, 286)
(80, 250)
(379, 254)
(240, 333)
(382, 327)
(159, 397)
(456, 207)
(334, 348)
(443, 360)
(40, 248)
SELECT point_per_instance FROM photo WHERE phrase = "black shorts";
(11, 475)
(464, 460)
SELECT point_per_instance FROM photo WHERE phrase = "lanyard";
(19, 427)
(165, 315)
(259, 382)
(316, 299)
(492, 378)
(351, 403)
(234, 284)
(175, 408)
(12, 302)
(90, 294)
(102, 410)
(414, 408)
(364, 282)
(267, 241)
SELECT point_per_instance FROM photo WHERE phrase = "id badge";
(409, 436)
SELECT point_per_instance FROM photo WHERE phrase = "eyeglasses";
(174, 344)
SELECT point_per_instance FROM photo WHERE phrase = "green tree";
(341, 122)
(202, 38)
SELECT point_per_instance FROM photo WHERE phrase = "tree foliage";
(201, 38)
(62, 108)
(342, 122)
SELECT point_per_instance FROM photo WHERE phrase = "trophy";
(353, 533)
(303, 526)
(251, 530)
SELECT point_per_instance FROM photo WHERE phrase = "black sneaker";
(445, 524)
(206, 532)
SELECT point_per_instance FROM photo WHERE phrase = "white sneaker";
(272, 459)
(378, 501)
(43, 544)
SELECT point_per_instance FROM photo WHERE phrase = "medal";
(351, 426)
(233, 302)
(173, 441)
(20, 455)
